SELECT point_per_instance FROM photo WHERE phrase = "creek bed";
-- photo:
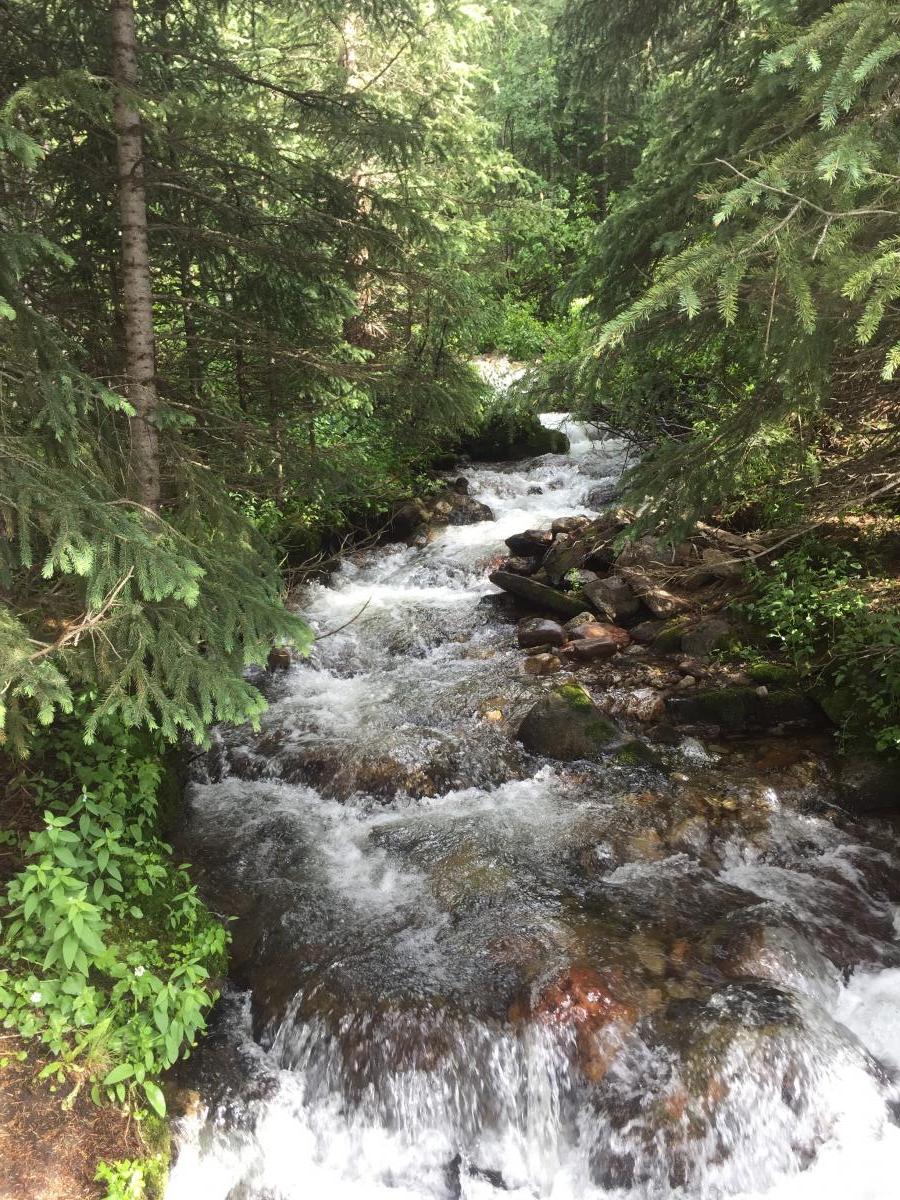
(460, 971)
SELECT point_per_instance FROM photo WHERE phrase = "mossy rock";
(637, 754)
(567, 725)
(668, 640)
(575, 696)
(774, 675)
(505, 440)
(836, 703)
(742, 709)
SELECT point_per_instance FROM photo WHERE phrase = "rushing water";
(407, 880)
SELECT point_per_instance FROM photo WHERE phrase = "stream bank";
(463, 968)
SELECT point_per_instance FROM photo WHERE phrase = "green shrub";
(811, 604)
(110, 953)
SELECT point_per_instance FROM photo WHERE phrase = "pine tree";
(768, 308)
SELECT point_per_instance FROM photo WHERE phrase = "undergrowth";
(814, 607)
(110, 955)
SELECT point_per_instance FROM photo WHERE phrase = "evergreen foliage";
(308, 310)
(779, 281)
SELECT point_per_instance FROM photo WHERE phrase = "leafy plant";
(111, 953)
(803, 602)
(133, 1179)
(813, 606)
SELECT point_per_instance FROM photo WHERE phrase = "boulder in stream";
(583, 1000)
(594, 649)
(566, 725)
(870, 782)
(707, 635)
(591, 630)
(614, 595)
(533, 543)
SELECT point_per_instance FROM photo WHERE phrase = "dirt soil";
(47, 1153)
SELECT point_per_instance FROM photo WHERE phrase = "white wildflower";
(35, 997)
(138, 972)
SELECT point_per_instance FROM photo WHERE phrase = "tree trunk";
(137, 302)
(357, 329)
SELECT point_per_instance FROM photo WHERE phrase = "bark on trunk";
(140, 352)
(358, 330)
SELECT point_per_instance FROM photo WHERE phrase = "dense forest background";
(247, 254)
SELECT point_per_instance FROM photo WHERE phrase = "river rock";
(566, 725)
(520, 565)
(531, 544)
(615, 595)
(740, 709)
(540, 595)
(646, 632)
(660, 601)
(583, 618)
(407, 517)
(600, 496)
(707, 635)
(721, 564)
(869, 782)
(466, 510)
(279, 659)
(570, 525)
(594, 649)
(599, 629)
(538, 631)
(641, 704)
(565, 555)
(541, 664)
(582, 999)
(644, 552)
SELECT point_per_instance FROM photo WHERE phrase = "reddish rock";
(600, 629)
(593, 649)
(582, 996)
(584, 1000)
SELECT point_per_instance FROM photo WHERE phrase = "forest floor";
(49, 1148)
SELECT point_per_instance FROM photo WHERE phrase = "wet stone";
(536, 631)
(593, 649)
(530, 544)
(541, 664)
